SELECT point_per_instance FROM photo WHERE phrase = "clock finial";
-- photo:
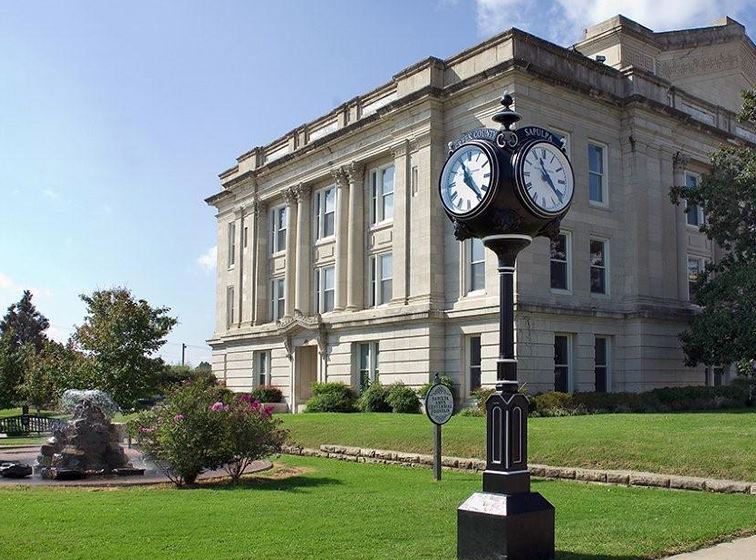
(506, 117)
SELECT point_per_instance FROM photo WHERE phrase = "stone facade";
(317, 298)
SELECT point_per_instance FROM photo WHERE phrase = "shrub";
(403, 399)
(173, 375)
(181, 436)
(267, 394)
(552, 400)
(472, 411)
(445, 380)
(250, 433)
(203, 427)
(481, 396)
(373, 399)
(332, 397)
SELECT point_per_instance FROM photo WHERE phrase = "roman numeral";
(453, 195)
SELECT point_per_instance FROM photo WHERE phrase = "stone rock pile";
(88, 444)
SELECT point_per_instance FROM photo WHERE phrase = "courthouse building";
(337, 263)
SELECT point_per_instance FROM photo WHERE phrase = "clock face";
(545, 177)
(466, 179)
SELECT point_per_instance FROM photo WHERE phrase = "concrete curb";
(624, 478)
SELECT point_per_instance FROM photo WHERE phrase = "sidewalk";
(740, 549)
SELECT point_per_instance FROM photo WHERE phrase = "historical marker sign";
(439, 404)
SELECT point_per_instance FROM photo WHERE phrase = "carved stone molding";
(680, 161)
(289, 195)
(322, 339)
(339, 176)
(301, 191)
(289, 348)
(354, 172)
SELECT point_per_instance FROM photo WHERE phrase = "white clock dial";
(546, 177)
(466, 179)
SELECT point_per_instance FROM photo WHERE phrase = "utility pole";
(183, 352)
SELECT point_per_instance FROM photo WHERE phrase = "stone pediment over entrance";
(290, 325)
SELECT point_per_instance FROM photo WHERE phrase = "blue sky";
(115, 119)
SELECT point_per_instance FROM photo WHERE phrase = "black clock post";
(529, 190)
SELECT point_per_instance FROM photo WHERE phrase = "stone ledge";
(624, 478)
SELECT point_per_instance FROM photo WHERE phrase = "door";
(305, 374)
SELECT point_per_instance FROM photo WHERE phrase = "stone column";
(355, 239)
(680, 161)
(257, 276)
(241, 214)
(304, 248)
(291, 250)
(401, 229)
(340, 254)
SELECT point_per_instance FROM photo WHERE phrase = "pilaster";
(259, 262)
(355, 173)
(291, 249)
(341, 228)
(402, 225)
(303, 268)
(680, 162)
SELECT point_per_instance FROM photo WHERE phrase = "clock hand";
(468, 180)
(547, 177)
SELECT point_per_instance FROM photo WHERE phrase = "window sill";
(278, 254)
(475, 294)
(561, 292)
(382, 225)
(325, 240)
(604, 295)
(599, 205)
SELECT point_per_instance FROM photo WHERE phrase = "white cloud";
(9, 285)
(563, 21)
(208, 260)
(51, 194)
(58, 334)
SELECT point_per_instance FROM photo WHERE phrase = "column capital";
(289, 195)
(339, 176)
(301, 191)
(354, 171)
(680, 161)
(403, 147)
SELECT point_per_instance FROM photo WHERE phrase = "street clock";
(505, 181)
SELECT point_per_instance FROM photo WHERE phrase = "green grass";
(339, 510)
(716, 444)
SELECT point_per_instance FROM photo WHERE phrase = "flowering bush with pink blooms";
(203, 427)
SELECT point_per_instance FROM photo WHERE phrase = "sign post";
(439, 407)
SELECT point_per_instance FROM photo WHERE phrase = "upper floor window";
(229, 306)
(278, 299)
(381, 273)
(231, 243)
(599, 265)
(476, 265)
(382, 194)
(597, 174)
(561, 258)
(278, 237)
(325, 212)
(324, 289)
(693, 212)
(695, 267)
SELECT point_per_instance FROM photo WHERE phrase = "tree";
(725, 330)
(24, 323)
(121, 335)
(13, 363)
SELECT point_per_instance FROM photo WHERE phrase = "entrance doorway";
(305, 374)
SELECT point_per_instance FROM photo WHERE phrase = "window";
(229, 306)
(693, 212)
(560, 263)
(368, 364)
(325, 212)
(263, 368)
(246, 233)
(382, 194)
(473, 345)
(278, 299)
(601, 363)
(562, 355)
(476, 271)
(598, 257)
(324, 289)
(231, 244)
(381, 272)
(280, 218)
(695, 267)
(596, 174)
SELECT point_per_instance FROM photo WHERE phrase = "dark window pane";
(558, 275)
(477, 276)
(600, 349)
(560, 379)
(559, 248)
(600, 379)
(595, 191)
(475, 351)
(597, 253)
(328, 225)
(595, 158)
(560, 350)
(598, 281)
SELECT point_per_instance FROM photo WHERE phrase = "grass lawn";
(339, 510)
(716, 444)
